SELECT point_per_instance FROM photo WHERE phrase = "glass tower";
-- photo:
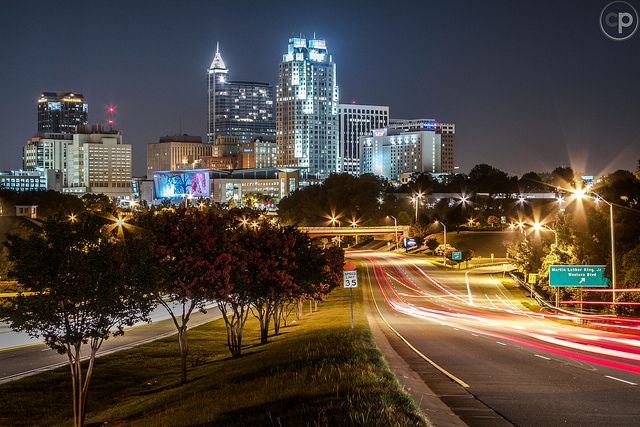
(61, 112)
(307, 109)
(237, 108)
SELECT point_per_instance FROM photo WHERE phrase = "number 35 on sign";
(350, 279)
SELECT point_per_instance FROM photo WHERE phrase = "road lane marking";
(501, 343)
(621, 380)
(542, 357)
(475, 335)
(466, 276)
(431, 362)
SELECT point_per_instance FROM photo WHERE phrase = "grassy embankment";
(317, 372)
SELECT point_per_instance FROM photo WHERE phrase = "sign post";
(350, 280)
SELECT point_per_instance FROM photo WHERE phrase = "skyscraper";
(61, 112)
(406, 147)
(307, 109)
(355, 121)
(237, 108)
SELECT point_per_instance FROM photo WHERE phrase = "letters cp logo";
(619, 20)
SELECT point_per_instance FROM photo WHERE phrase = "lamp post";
(416, 199)
(395, 229)
(444, 253)
(581, 193)
(538, 226)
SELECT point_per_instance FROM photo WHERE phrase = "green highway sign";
(456, 256)
(588, 276)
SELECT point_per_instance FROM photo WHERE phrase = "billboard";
(179, 184)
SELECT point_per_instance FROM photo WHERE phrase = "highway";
(532, 368)
(31, 356)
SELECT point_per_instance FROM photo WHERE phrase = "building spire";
(218, 63)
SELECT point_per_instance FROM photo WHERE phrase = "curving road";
(532, 368)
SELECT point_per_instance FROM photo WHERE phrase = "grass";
(317, 372)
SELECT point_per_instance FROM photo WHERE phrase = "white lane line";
(475, 335)
(466, 276)
(542, 357)
(622, 381)
(501, 343)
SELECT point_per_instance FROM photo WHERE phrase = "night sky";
(529, 85)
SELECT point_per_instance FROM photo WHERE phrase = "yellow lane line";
(425, 358)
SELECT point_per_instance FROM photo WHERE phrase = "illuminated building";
(45, 151)
(61, 112)
(176, 152)
(98, 162)
(405, 149)
(447, 132)
(356, 121)
(238, 108)
(32, 180)
(259, 153)
(224, 186)
(307, 109)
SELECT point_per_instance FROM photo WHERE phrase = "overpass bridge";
(402, 230)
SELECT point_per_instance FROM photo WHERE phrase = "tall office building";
(176, 152)
(98, 162)
(407, 147)
(307, 109)
(237, 108)
(446, 131)
(355, 121)
(61, 112)
(46, 151)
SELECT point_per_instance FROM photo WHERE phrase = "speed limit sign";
(350, 278)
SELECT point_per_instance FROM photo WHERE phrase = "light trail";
(423, 296)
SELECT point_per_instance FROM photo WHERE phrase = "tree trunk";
(184, 351)
(299, 309)
(80, 387)
(234, 322)
(277, 315)
(315, 304)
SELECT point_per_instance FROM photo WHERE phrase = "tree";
(432, 243)
(192, 249)
(269, 267)
(87, 286)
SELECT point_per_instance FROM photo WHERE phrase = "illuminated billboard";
(179, 184)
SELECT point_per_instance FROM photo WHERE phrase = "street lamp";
(444, 253)
(395, 229)
(416, 199)
(537, 226)
(581, 193)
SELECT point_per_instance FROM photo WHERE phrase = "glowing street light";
(73, 218)
(416, 198)
(580, 194)
(537, 226)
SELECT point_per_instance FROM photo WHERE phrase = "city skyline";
(543, 95)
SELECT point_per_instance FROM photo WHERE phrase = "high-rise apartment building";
(98, 162)
(407, 147)
(176, 152)
(237, 108)
(355, 121)
(307, 109)
(46, 151)
(447, 132)
(61, 112)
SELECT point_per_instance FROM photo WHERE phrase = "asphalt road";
(29, 359)
(528, 367)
